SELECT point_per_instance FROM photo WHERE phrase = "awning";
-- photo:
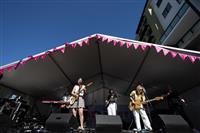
(110, 62)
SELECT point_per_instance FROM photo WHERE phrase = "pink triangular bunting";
(44, 55)
(158, 49)
(62, 50)
(109, 40)
(104, 39)
(173, 54)
(36, 58)
(183, 56)
(165, 51)
(114, 42)
(143, 47)
(192, 58)
(128, 44)
(136, 45)
(73, 45)
(2, 70)
(16, 65)
(80, 43)
(121, 43)
(86, 41)
(66, 44)
(98, 36)
(9, 68)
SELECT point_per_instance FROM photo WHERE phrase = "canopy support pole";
(100, 64)
(138, 70)
(60, 68)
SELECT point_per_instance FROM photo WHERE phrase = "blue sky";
(28, 27)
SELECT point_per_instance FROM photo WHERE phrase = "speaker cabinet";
(108, 124)
(175, 124)
(58, 122)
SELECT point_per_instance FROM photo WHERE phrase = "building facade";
(171, 22)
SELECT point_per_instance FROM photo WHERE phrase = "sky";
(28, 27)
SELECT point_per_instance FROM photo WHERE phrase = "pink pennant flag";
(143, 47)
(90, 37)
(104, 39)
(121, 43)
(98, 36)
(26, 60)
(62, 50)
(52, 50)
(9, 68)
(136, 45)
(73, 45)
(86, 41)
(22, 62)
(16, 65)
(128, 44)
(192, 58)
(43, 56)
(66, 44)
(165, 51)
(109, 40)
(183, 56)
(115, 42)
(173, 54)
(36, 58)
(158, 49)
(2, 70)
(80, 43)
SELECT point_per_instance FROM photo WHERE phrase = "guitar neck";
(151, 100)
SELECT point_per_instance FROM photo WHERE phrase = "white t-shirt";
(76, 89)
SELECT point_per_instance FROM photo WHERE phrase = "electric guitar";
(107, 102)
(75, 97)
(136, 104)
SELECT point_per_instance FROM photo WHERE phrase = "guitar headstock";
(89, 84)
(159, 98)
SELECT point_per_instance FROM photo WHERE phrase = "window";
(179, 1)
(156, 26)
(150, 11)
(166, 10)
(159, 3)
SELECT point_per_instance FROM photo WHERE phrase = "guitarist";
(135, 96)
(79, 90)
(111, 103)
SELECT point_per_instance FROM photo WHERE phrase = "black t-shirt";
(112, 98)
(174, 101)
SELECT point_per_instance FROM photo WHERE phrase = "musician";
(177, 105)
(111, 102)
(79, 90)
(138, 95)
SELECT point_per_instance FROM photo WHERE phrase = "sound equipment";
(175, 124)
(108, 124)
(58, 122)
(5, 123)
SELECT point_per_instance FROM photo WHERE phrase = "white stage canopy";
(110, 62)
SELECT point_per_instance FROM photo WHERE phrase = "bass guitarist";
(78, 91)
(137, 96)
(111, 103)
